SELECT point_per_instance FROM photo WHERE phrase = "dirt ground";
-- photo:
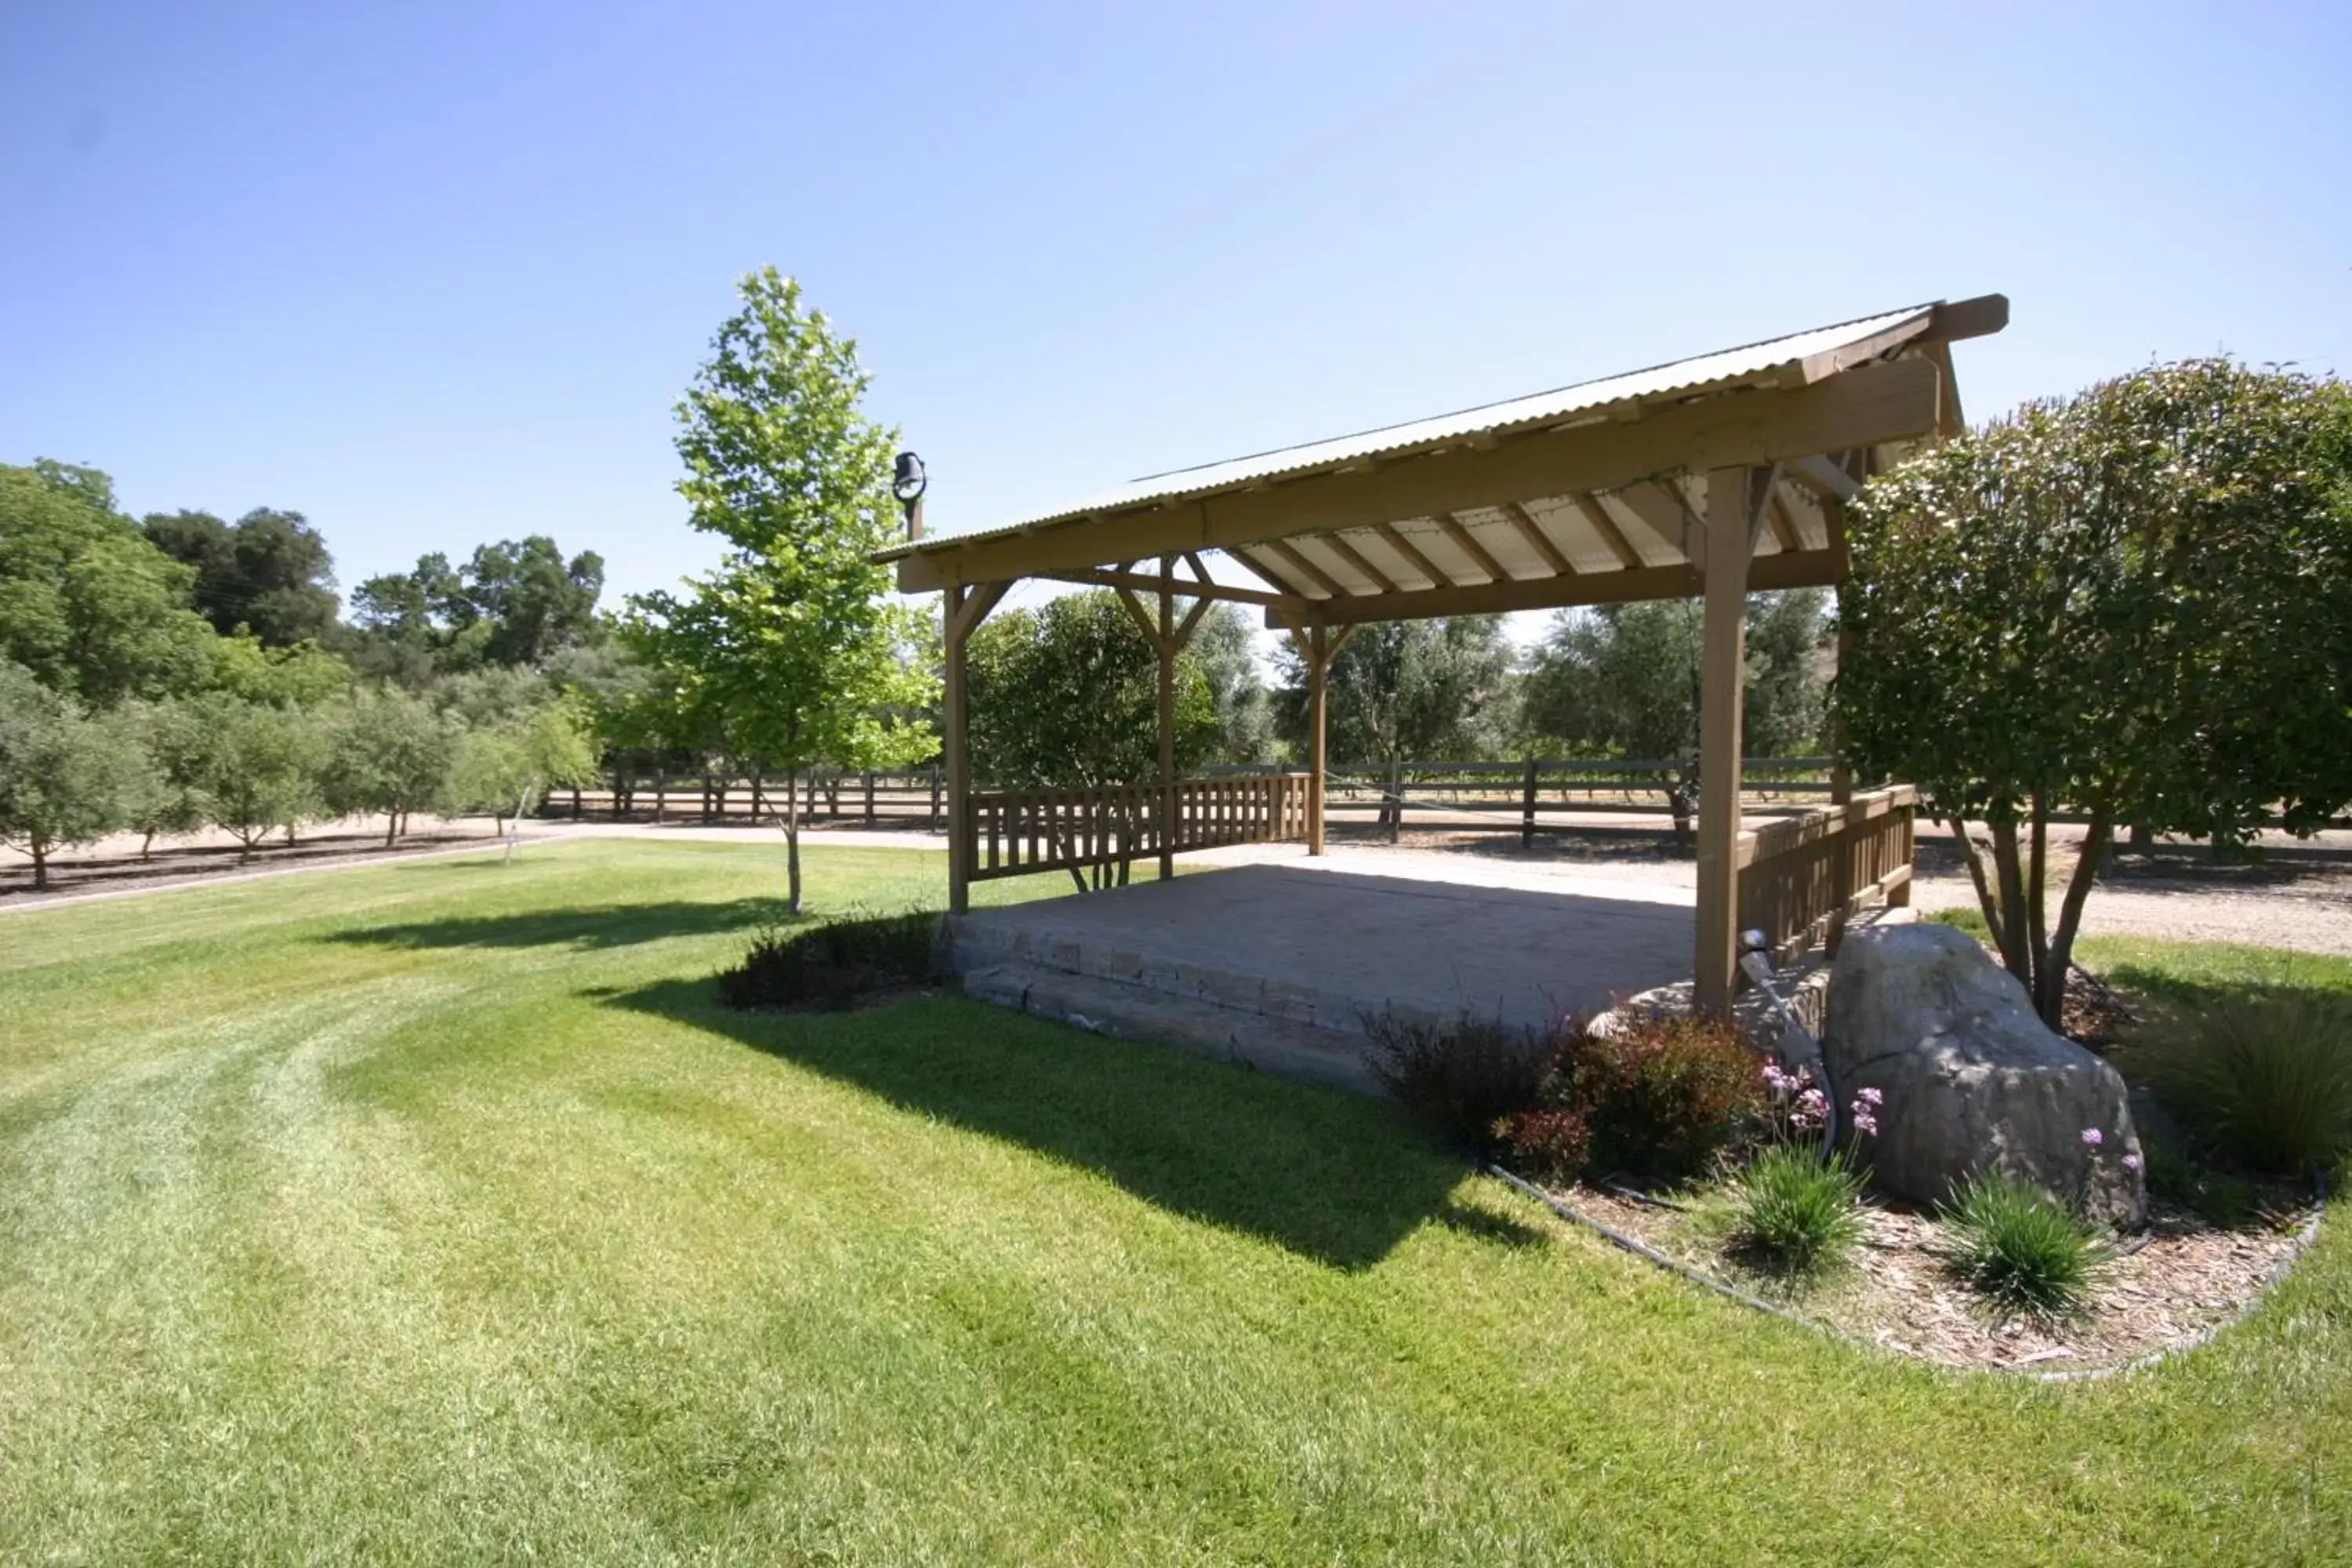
(2298, 896)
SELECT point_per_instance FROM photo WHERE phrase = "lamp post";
(907, 481)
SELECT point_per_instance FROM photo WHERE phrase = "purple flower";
(1865, 1123)
(1870, 1096)
(2131, 1162)
(2094, 1137)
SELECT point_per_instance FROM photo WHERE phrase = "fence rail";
(1801, 878)
(1015, 832)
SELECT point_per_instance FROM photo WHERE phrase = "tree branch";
(2070, 913)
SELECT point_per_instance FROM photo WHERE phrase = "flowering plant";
(1802, 1108)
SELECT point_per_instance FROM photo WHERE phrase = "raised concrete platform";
(1279, 964)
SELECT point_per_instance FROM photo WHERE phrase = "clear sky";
(435, 274)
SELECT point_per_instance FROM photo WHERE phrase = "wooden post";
(935, 797)
(661, 792)
(1396, 798)
(1167, 642)
(952, 747)
(1729, 509)
(869, 797)
(1841, 793)
(963, 608)
(1318, 666)
(1528, 809)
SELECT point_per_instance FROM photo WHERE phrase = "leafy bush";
(834, 965)
(1664, 1095)
(1463, 1076)
(1547, 1146)
(2266, 1078)
(1794, 1212)
(2023, 1248)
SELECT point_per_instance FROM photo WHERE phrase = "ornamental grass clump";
(1794, 1213)
(2022, 1249)
(2265, 1079)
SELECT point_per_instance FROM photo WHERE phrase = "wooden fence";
(1016, 832)
(908, 798)
(1801, 878)
(1553, 795)
(1523, 797)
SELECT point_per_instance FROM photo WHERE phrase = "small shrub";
(1795, 1212)
(2023, 1249)
(2266, 1078)
(833, 965)
(1664, 1095)
(1463, 1076)
(1545, 1145)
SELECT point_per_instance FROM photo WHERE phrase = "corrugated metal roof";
(1750, 363)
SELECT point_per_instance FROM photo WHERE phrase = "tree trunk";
(2051, 1003)
(391, 828)
(792, 849)
(147, 845)
(40, 864)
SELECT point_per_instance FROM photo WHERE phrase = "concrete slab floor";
(1340, 938)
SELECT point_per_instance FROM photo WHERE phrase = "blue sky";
(435, 274)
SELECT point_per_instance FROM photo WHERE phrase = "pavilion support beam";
(1166, 643)
(962, 610)
(1732, 507)
(1788, 569)
(1317, 646)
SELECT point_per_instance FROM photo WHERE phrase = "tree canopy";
(87, 603)
(269, 573)
(2135, 604)
(1068, 695)
(1416, 690)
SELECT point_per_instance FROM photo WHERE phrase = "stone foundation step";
(1131, 1011)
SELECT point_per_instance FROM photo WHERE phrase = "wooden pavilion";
(1708, 477)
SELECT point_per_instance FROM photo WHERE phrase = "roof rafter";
(1894, 401)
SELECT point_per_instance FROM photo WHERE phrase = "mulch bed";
(2175, 1286)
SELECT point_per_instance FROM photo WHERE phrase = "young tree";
(387, 751)
(794, 651)
(66, 777)
(2135, 604)
(503, 767)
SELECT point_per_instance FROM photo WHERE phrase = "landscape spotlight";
(907, 482)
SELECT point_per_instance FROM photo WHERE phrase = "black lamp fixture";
(907, 481)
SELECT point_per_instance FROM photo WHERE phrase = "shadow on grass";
(590, 927)
(1329, 1176)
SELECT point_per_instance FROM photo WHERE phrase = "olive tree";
(67, 776)
(2134, 605)
(258, 766)
(387, 751)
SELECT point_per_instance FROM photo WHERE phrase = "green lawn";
(435, 1212)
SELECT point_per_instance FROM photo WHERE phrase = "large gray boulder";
(1971, 1079)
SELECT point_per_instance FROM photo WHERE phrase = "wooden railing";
(1801, 878)
(1015, 832)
